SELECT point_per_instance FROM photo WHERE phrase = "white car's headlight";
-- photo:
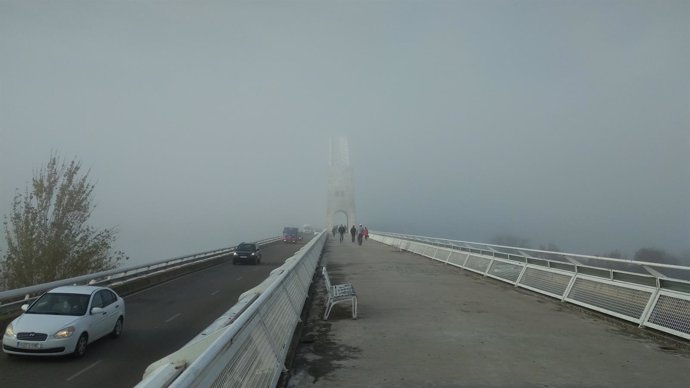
(10, 331)
(64, 333)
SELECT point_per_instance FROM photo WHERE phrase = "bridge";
(432, 312)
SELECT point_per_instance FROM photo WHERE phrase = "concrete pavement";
(426, 324)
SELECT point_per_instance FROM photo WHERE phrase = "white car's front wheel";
(80, 349)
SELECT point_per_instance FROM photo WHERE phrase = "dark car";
(247, 253)
(291, 234)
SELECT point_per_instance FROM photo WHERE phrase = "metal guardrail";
(649, 294)
(10, 299)
(247, 346)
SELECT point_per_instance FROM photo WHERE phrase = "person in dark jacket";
(353, 232)
(341, 230)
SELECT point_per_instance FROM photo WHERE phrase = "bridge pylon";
(341, 188)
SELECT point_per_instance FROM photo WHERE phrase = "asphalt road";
(158, 321)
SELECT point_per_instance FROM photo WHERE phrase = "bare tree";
(47, 233)
(616, 254)
(655, 255)
(685, 257)
(549, 247)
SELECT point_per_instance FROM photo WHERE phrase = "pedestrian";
(366, 233)
(360, 234)
(334, 229)
(341, 230)
(353, 232)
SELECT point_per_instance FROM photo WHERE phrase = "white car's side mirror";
(25, 307)
(96, 310)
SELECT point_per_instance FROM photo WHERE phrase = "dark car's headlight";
(234, 253)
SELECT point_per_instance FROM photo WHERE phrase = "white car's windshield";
(60, 304)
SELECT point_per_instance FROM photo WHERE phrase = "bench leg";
(329, 306)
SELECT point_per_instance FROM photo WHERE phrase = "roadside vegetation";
(47, 233)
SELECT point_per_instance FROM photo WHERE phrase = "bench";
(339, 293)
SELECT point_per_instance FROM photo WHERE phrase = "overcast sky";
(208, 123)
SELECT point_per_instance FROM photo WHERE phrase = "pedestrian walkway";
(426, 324)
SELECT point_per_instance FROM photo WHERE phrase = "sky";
(208, 123)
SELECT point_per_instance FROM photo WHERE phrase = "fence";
(649, 294)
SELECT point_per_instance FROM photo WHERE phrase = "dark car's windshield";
(246, 247)
(60, 304)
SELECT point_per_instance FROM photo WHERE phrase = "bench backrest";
(327, 280)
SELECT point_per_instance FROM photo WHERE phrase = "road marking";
(215, 292)
(173, 317)
(147, 289)
(155, 286)
(84, 370)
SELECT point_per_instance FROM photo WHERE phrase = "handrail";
(19, 295)
(521, 252)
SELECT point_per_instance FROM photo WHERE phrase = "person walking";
(360, 234)
(341, 230)
(366, 233)
(353, 232)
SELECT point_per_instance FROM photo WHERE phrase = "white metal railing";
(247, 346)
(11, 299)
(649, 294)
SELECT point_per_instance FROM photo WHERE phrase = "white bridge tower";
(341, 190)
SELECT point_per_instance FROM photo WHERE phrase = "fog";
(205, 124)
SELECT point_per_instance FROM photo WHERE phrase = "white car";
(65, 320)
